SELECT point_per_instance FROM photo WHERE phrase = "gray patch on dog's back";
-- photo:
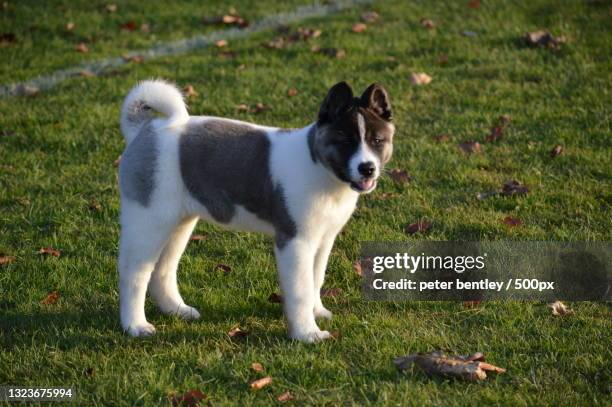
(138, 165)
(225, 164)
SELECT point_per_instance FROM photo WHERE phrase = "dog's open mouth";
(365, 185)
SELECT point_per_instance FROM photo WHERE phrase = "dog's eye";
(377, 141)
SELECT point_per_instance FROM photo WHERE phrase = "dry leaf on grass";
(145, 28)
(420, 226)
(197, 238)
(190, 399)
(512, 221)
(427, 23)
(223, 267)
(258, 367)
(442, 59)
(86, 73)
(7, 39)
(542, 38)
(474, 3)
(400, 176)
(292, 92)
(111, 8)
(420, 78)
(331, 292)
(49, 251)
(81, 47)
(470, 147)
(436, 363)
(286, 396)
(559, 309)
(359, 27)
(260, 383)
(221, 43)
(275, 298)
(51, 298)
(128, 26)
(442, 138)
(94, 206)
(260, 107)
(133, 58)
(236, 332)
(4, 259)
(330, 52)
(514, 187)
(556, 151)
(69, 26)
(117, 162)
(471, 304)
(189, 91)
(369, 16)
(228, 19)
(357, 268)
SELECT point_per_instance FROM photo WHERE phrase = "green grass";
(56, 158)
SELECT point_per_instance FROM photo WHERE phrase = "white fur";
(154, 237)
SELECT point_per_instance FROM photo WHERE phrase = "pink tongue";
(366, 184)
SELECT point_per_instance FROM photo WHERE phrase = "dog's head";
(354, 135)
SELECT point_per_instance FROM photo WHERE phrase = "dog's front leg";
(295, 260)
(320, 265)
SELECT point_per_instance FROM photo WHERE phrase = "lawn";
(58, 188)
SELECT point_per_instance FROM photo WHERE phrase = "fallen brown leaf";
(369, 16)
(7, 39)
(81, 47)
(260, 107)
(427, 23)
(420, 226)
(331, 292)
(385, 195)
(4, 259)
(331, 52)
(442, 138)
(556, 151)
(286, 396)
(470, 147)
(111, 8)
(258, 367)
(292, 92)
(471, 304)
(260, 383)
(223, 267)
(49, 251)
(504, 119)
(438, 364)
(236, 332)
(359, 27)
(145, 28)
(512, 221)
(443, 59)
(69, 26)
(559, 309)
(544, 39)
(357, 268)
(197, 238)
(128, 26)
(51, 298)
(400, 176)
(242, 107)
(275, 298)
(497, 133)
(132, 58)
(514, 187)
(190, 399)
(420, 78)
(474, 3)
(189, 91)
(221, 43)
(94, 206)
(86, 73)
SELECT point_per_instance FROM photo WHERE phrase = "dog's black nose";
(366, 169)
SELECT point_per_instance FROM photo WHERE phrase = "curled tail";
(144, 99)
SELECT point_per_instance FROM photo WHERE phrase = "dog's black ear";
(377, 99)
(338, 99)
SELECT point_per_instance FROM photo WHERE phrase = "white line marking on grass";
(45, 82)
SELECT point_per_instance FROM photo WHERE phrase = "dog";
(300, 186)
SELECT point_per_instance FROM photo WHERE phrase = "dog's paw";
(312, 336)
(185, 311)
(140, 330)
(322, 312)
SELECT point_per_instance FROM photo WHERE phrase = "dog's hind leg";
(142, 240)
(163, 284)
